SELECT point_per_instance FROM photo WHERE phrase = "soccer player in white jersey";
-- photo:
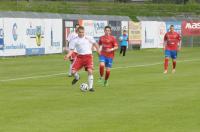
(83, 45)
(70, 37)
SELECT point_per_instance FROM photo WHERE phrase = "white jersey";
(83, 45)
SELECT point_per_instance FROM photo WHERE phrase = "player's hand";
(179, 48)
(164, 49)
(66, 57)
(109, 50)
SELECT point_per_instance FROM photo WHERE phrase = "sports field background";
(36, 95)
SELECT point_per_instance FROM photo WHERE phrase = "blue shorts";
(106, 60)
(171, 53)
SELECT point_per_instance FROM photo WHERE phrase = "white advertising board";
(1, 37)
(35, 36)
(94, 28)
(14, 32)
(53, 36)
(153, 34)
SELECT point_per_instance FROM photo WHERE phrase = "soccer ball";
(84, 87)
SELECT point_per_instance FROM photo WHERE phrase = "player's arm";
(112, 49)
(165, 42)
(164, 45)
(66, 48)
(71, 50)
(97, 48)
(66, 57)
(179, 42)
(100, 45)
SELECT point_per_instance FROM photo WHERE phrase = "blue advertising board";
(177, 25)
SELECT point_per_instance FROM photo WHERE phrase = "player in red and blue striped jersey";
(108, 45)
(172, 44)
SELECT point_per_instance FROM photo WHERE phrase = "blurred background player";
(108, 45)
(83, 45)
(171, 46)
(70, 37)
(123, 42)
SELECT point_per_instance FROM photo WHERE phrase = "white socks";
(76, 75)
(90, 81)
(70, 69)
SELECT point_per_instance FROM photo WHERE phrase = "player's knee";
(73, 72)
(90, 71)
(107, 68)
(102, 64)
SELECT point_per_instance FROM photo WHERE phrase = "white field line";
(58, 74)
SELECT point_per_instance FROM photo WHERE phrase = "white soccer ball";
(84, 87)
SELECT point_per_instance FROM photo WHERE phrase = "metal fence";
(191, 41)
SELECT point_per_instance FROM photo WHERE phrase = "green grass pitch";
(36, 95)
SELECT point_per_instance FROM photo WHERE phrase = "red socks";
(174, 64)
(166, 63)
(101, 70)
(107, 75)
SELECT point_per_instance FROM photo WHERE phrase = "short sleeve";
(91, 39)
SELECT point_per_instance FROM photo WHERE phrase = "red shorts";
(73, 56)
(81, 61)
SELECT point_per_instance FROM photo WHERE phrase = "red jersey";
(107, 42)
(172, 39)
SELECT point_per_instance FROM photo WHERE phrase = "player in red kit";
(108, 45)
(83, 45)
(171, 46)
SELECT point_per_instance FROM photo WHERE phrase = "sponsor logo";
(36, 33)
(192, 25)
(13, 46)
(14, 32)
(53, 43)
(1, 39)
(99, 26)
(1, 33)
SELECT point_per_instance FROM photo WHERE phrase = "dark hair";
(80, 28)
(107, 27)
(171, 26)
(77, 25)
